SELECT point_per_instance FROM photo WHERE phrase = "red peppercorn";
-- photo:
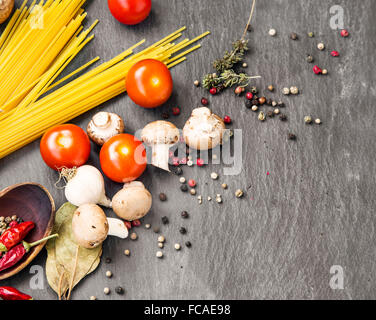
(238, 91)
(175, 161)
(249, 95)
(227, 120)
(317, 70)
(335, 53)
(128, 225)
(192, 183)
(204, 101)
(200, 162)
(213, 91)
(176, 111)
(344, 33)
(136, 223)
(183, 161)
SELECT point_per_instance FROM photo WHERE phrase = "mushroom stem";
(105, 202)
(160, 156)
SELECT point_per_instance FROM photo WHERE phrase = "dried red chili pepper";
(9, 293)
(14, 255)
(15, 235)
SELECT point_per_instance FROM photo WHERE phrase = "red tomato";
(149, 83)
(66, 145)
(123, 158)
(130, 11)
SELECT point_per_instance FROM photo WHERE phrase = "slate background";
(314, 210)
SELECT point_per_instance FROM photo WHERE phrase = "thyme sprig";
(226, 77)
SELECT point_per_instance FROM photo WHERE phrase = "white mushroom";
(103, 126)
(89, 226)
(132, 202)
(204, 130)
(161, 136)
(6, 7)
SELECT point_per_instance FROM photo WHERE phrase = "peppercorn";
(317, 70)
(196, 83)
(162, 197)
(165, 220)
(183, 230)
(249, 95)
(177, 246)
(108, 260)
(161, 239)
(165, 115)
(321, 46)
(244, 65)
(311, 34)
(294, 90)
(127, 252)
(108, 274)
(133, 236)
(293, 36)
(238, 91)
(227, 120)
(307, 119)
(214, 175)
(178, 171)
(224, 186)
(309, 58)
(213, 91)
(335, 53)
(249, 28)
(269, 102)
(200, 162)
(272, 32)
(283, 117)
(204, 102)
(318, 121)
(184, 188)
(286, 91)
(106, 290)
(14, 218)
(271, 88)
(270, 114)
(254, 108)
(344, 33)
(156, 229)
(291, 136)
(119, 290)
(261, 116)
(188, 244)
(254, 90)
(276, 111)
(324, 71)
(148, 226)
(239, 193)
(248, 104)
(184, 214)
(93, 298)
(192, 183)
(160, 245)
(176, 111)
(182, 180)
(262, 100)
(159, 254)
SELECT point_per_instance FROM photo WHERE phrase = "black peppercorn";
(162, 196)
(165, 220)
(309, 58)
(108, 260)
(185, 214)
(249, 28)
(183, 230)
(255, 102)
(270, 114)
(293, 36)
(165, 115)
(280, 104)
(248, 104)
(184, 188)
(269, 102)
(188, 244)
(178, 171)
(283, 117)
(119, 290)
(292, 136)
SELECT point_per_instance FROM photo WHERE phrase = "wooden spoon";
(31, 202)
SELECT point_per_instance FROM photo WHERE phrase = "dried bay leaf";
(61, 260)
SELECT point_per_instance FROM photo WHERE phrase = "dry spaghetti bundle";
(31, 58)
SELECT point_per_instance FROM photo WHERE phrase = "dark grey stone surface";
(315, 209)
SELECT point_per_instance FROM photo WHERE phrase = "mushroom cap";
(103, 126)
(132, 202)
(204, 130)
(160, 132)
(89, 226)
(6, 7)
